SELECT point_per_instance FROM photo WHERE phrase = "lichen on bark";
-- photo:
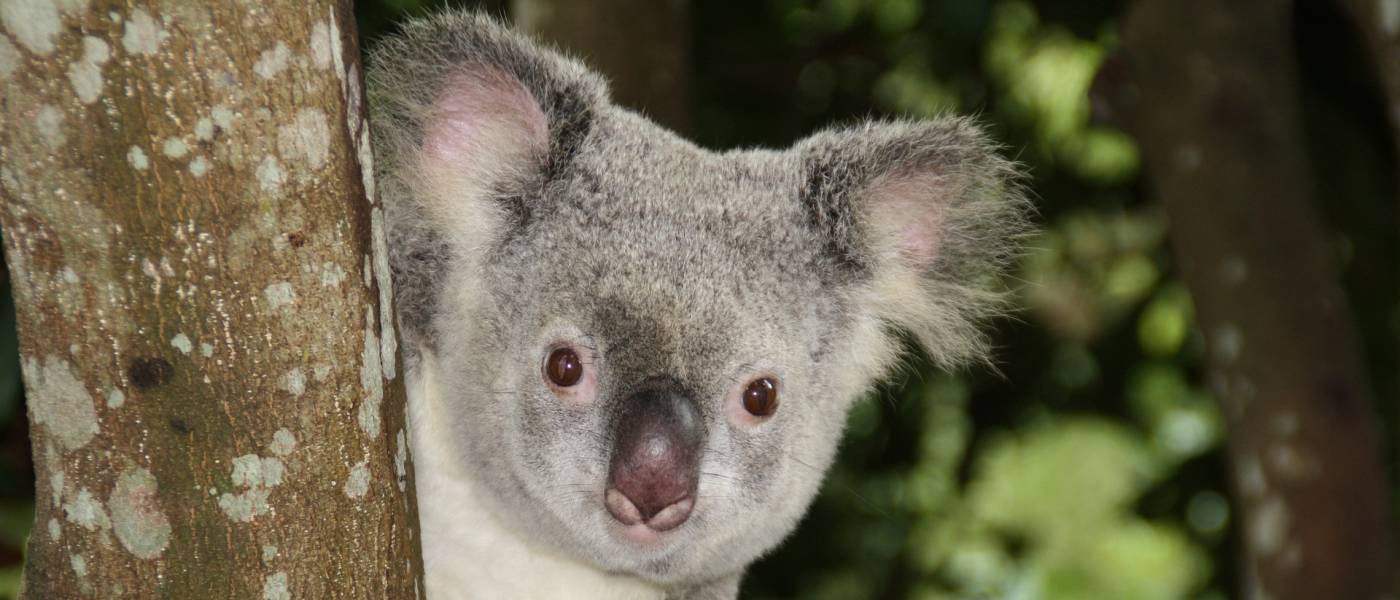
(184, 205)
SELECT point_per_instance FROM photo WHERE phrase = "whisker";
(570, 485)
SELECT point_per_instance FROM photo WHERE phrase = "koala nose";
(656, 456)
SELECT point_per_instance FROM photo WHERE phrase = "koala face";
(648, 349)
(669, 366)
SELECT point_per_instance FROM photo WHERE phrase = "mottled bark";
(203, 300)
(642, 46)
(1209, 90)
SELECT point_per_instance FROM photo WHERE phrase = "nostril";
(672, 516)
(622, 508)
(659, 518)
(649, 492)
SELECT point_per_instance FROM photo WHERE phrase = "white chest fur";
(468, 554)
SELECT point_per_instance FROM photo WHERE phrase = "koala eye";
(761, 397)
(563, 367)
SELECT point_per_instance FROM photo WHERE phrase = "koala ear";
(476, 112)
(470, 121)
(918, 220)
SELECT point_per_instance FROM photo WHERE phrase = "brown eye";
(761, 397)
(563, 367)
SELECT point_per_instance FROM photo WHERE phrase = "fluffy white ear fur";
(935, 213)
(484, 136)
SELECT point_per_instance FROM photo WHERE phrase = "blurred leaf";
(802, 26)
(946, 426)
(896, 15)
(1137, 560)
(1184, 421)
(1166, 322)
(1090, 269)
(1103, 154)
(909, 89)
(979, 565)
(1130, 277)
(864, 417)
(9, 582)
(846, 584)
(1091, 236)
(1046, 73)
(1155, 388)
(16, 518)
(1208, 513)
(1189, 430)
(841, 14)
(1057, 481)
(1142, 230)
(1074, 366)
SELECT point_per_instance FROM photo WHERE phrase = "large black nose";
(658, 438)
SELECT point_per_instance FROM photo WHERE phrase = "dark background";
(1089, 464)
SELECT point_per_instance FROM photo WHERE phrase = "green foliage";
(1089, 269)
(16, 516)
(1066, 491)
(9, 581)
(1165, 322)
(1046, 73)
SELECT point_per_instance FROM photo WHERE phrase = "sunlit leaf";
(1138, 560)
(1057, 482)
(1130, 277)
(1105, 155)
(1166, 322)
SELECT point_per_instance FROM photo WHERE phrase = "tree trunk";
(1378, 22)
(1209, 90)
(643, 46)
(203, 300)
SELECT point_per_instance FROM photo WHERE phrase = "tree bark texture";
(203, 300)
(642, 46)
(1209, 90)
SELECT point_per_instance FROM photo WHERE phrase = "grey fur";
(662, 258)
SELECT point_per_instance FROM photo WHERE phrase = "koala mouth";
(652, 479)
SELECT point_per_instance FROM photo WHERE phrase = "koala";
(630, 359)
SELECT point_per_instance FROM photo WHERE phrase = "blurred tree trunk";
(1378, 22)
(643, 46)
(203, 303)
(1209, 90)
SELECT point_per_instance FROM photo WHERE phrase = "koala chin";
(630, 359)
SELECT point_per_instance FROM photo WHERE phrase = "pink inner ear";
(910, 208)
(482, 124)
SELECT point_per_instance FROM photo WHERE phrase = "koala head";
(648, 349)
